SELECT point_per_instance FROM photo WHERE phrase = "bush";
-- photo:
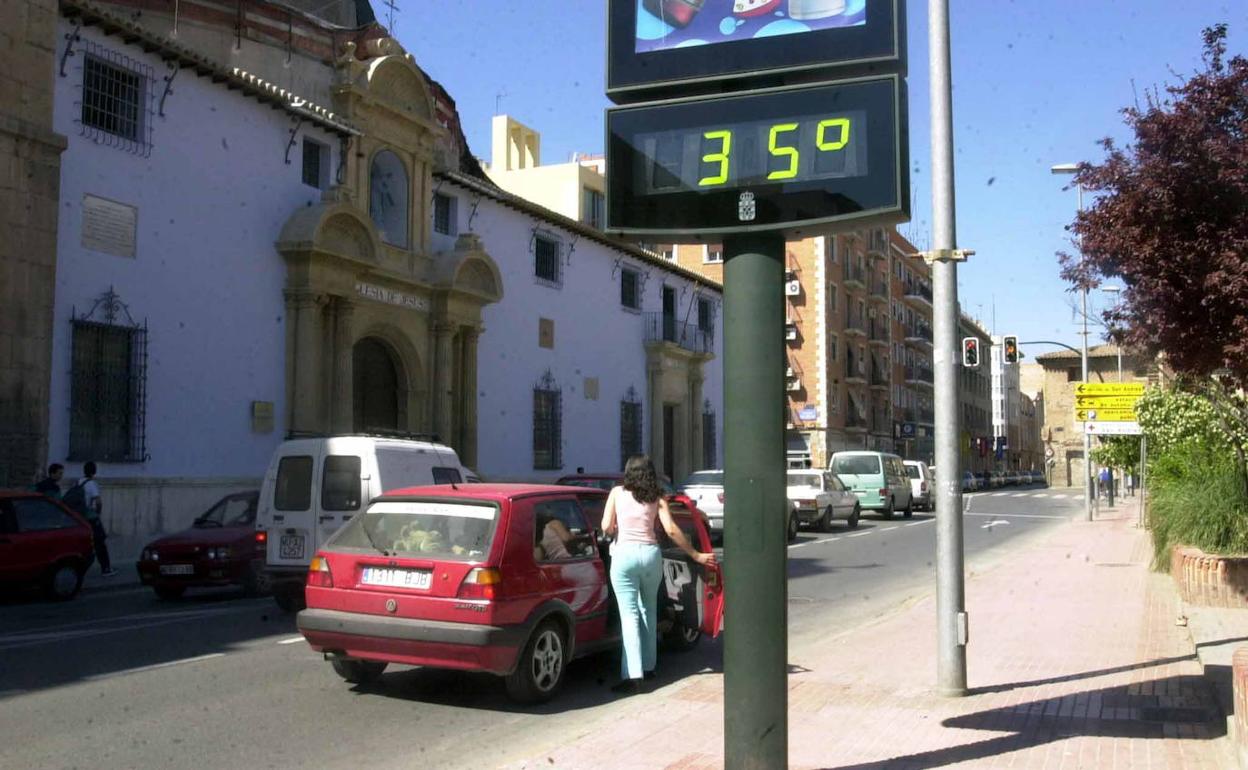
(1196, 498)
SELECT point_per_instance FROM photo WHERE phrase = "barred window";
(706, 316)
(112, 98)
(709, 443)
(444, 214)
(630, 295)
(108, 392)
(546, 251)
(630, 426)
(547, 425)
(314, 163)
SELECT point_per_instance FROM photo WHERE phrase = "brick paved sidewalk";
(1075, 661)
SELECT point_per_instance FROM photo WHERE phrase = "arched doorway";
(379, 387)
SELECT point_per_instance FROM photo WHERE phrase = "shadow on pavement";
(1180, 705)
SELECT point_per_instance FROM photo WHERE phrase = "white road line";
(799, 545)
(889, 529)
(919, 523)
(1020, 494)
(1059, 497)
(154, 667)
(999, 494)
(1040, 495)
(292, 640)
(1019, 516)
(858, 534)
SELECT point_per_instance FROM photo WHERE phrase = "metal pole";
(755, 557)
(1087, 438)
(951, 618)
(1143, 477)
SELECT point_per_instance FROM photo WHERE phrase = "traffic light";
(1011, 350)
(970, 352)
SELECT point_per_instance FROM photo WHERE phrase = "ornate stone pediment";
(330, 228)
(393, 81)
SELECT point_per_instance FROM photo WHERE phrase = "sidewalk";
(1075, 661)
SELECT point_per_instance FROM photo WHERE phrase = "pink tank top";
(635, 519)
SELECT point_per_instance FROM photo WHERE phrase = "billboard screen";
(664, 24)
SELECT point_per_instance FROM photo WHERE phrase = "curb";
(1237, 724)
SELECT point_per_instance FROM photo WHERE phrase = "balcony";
(879, 378)
(665, 328)
(877, 332)
(919, 375)
(877, 244)
(855, 327)
(919, 293)
(878, 290)
(855, 372)
(919, 334)
(853, 277)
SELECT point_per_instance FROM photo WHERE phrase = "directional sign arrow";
(1105, 402)
(1109, 389)
(1105, 415)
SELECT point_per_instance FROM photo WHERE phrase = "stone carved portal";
(379, 387)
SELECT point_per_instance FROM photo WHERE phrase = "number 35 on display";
(830, 136)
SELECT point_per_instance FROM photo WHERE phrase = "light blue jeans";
(636, 570)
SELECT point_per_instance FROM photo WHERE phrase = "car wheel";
(169, 593)
(539, 672)
(290, 599)
(887, 513)
(825, 521)
(358, 671)
(792, 529)
(256, 582)
(682, 638)
(63, 582)
(909, 512)
(854, 517)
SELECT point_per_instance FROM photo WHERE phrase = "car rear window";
(912, 471)
(446, 475)
(340, 483)
(804, 480)
(856, 465)
(293, 491)
(447, 531)
(705, 478)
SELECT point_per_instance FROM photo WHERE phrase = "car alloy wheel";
(547, 660)
(539, 671)
(64, 582)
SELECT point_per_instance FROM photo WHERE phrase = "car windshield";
(230, 512)
(913, 471)
(804, 480)
(856, 465)
(436, 529)
(704, 479)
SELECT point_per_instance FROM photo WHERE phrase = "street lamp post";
(1071, 168)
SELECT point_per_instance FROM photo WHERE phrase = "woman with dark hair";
(637, 564)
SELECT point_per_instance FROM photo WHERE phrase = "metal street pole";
(755, 557)
(1087, 437)
(951, 618)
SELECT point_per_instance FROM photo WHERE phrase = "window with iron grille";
(630, 426)
(630, 293)
(444, 214)
(108, 392)
(313, 163)
(706, 316)
(547, 425)
(546, 254)
(709, 442)
(115, 99)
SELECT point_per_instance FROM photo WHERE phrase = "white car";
(819, 497)
(706, 489)
(922, 480)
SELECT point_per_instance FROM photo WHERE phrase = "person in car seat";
(637, 565)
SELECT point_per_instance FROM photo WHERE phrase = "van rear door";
(292, 537)
(341, 492)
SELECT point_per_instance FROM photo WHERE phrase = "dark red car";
(479, 578)
(221, 548)
(43, 542)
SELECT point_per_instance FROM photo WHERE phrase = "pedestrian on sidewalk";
(1105, 481)
(84, 497)
(51, 484)
(637, 565)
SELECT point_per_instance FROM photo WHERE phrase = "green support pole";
(755, 506)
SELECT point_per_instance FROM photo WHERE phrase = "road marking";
(1020, 516)
(1059, 497)
(154, 667)
(858, 534)
(799, 545)
(1040, 495)
(994, 523)
(28, 639)
(292, 640)
(1020, 494)
(889, 529)
(999, 494)
(919, 523)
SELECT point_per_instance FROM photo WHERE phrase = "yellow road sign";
(1109, 389)
(1105, 415)
(1105, 402)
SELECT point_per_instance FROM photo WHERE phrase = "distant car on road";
(970, 482)
(43, 542)
(877, 478)
(818, 497)
(706, 490)
(921, 484)
(221, 548)
(509, 579)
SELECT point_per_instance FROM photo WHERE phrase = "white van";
(315, 485)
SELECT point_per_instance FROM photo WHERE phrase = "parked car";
(43, 542)
(605, 481)
(315, 485)
(706, 490)
(922, 483)
(478, 578)
(819, 497)
(221, 548)
(970, 482)
(877, 478)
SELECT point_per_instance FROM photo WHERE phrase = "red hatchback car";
(475, 578)
(221, 548)
(44, 542)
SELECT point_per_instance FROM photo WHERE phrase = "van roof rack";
(399, 434)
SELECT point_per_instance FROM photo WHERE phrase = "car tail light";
(712, 578)
(481, 583)
(721, 498)
(319, 574)
(262, 537)
(883, 493)
(923, 487)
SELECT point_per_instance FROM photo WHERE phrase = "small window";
(560, 532)
(444, 215)
(1073, 375)
(593, 208)
(114, 99)
(293, 490)
(33, 515)
(668, 253)
(630, 293)
(340, 483)
(446, 476)
(314, 166)
(546, 253)
(714, 253)
(706, 317)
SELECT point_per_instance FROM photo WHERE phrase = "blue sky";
(1035, 83)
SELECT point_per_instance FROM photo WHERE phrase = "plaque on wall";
(108, 226)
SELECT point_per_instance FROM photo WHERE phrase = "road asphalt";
(118, 678)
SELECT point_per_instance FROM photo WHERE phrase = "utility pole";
(951, 617)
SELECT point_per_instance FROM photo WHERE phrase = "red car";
(605, 481)
(221, 548)
(44, 542)
(479, 578)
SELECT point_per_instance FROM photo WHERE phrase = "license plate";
(177, 569)
(291, 547)
(397, 578)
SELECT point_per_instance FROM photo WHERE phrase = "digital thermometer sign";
(780, 159)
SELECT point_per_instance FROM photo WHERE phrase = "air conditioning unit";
(794, 384)
(792, 288)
